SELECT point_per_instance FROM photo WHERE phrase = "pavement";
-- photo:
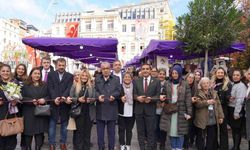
(134, 142)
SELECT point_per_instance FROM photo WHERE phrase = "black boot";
(237, 141)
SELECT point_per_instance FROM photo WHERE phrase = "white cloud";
(28, 8)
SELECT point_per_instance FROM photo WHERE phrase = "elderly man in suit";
(146, 93)
(108, 90)
(59, 85)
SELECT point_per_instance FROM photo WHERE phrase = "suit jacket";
(59, 88)
(154, 90)
(41, 69)
(107, 110)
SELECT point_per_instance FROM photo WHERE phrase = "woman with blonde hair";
(222, 85)
(208, 115)
(82, 94)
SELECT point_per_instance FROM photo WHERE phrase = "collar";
(46, 70)
(148, 78)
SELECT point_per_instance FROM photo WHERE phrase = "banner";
(162, 62)
(71, 29)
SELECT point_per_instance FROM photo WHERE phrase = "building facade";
(133, 25)
(12, 50)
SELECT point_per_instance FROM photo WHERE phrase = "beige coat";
(201, 112)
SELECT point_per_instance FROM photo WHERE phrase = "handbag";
(42, 110)
(11, 126)
(76, 108)
(170, 108)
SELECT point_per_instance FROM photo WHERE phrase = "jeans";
(52, 132)
(177, 142)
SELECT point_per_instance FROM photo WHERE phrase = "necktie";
(145, 85)
(46, 76)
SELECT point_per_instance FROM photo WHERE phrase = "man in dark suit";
(117, 70)
(108, 91)
(45, 68)
(146, 93)
(59, 85)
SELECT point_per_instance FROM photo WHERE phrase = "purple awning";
(51, 44)
(88, 50)
(173, 50)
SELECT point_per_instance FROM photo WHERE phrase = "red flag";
(71, 29)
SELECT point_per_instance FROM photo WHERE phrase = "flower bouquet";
(12, 92)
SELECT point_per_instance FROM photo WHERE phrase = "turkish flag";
(72, 29)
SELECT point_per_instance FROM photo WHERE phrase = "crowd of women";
(190, 110)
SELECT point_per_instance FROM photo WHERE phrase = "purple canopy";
(173, 50)
(51, 44)
(87, 50)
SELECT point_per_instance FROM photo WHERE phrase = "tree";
(244, 36)
(210, 26)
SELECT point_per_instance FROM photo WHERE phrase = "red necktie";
(145, 85)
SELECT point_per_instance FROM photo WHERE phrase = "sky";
(41, 13)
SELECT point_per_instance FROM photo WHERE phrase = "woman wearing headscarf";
(177, 110)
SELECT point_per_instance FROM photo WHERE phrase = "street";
(134, 143)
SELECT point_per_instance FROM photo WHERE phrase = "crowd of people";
(189, 110)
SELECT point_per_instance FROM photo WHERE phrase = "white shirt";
(43, 73)
(118, 75)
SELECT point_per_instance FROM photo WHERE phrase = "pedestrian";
(84, 94)
(146, 94)
(7, 142)
(160, 134)
(236, 108)
(248, 108)
(223, 86)
(126, 117)
(45, 68)
(117, 66)
(154, 72)
(20, 75)
(59, 85)
(108, 90)
(177, 108)
(208, 115)
(189, 138)
(35, 93)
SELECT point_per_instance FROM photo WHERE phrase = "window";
(152, 13)
(70, 20)
(99, 25)
(129, 14)
(162, 10)
(110, 25)
(132, 47)
(152, 27)
(134, 14)
(138, 13)
(57, 30)
(88, 25)
(124, 28)
(132, 27)
(143, 14)
(124, 15)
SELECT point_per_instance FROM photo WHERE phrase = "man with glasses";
(108, 91)
(146, 93)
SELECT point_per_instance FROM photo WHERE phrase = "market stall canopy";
(174, 50)
(52, 44)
